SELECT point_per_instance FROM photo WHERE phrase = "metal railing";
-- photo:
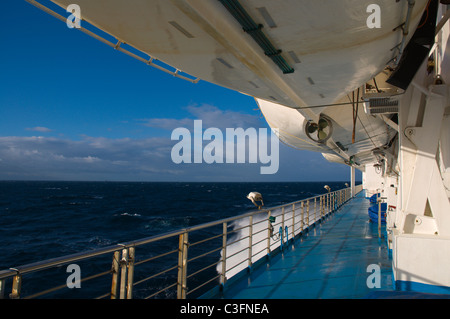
(121, 46)
(178, 264)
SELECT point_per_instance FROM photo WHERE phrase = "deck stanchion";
(338, 200)
(250, 242)
(269, 231)
(123, 273)
(131, 253)
(307, 213)
(321, 208)
(2, 289)
(302, 216)
(115, 274)
(323, 205)
(315, 210)
(16, 287)
(293, 221)
(329, 203)
(223, 276)
(182, 265)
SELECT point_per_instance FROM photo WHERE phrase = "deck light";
(256, 197)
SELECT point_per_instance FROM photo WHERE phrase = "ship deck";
(329, 261)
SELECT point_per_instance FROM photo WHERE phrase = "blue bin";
(373, 213)
(373, 198)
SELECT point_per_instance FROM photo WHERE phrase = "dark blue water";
(42, 220)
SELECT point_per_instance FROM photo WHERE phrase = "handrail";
(247, 243)
(118, 46)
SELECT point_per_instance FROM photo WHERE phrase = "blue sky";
(72, 108)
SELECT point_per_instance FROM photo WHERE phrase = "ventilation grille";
(381, 106)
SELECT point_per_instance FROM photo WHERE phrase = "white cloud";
(39, 129)
(211, 117)
(127, 159)
(88, 159)
(92, 158)
(166, 123)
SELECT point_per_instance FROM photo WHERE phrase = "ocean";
(40, 220)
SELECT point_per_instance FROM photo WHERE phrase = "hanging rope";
(355, 114)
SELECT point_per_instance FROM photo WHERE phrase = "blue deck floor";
(330, 261)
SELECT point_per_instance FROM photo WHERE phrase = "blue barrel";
(374, 197)
(373, 213)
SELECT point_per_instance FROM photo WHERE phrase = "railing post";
(337, 199)
(302, 216)
(323, 205)
(182, 265)
(315, 209)
(250, 242)
(307, 213)
(2, 288)
(223, 276)
(333, 201)
(115, 274)
(320, 207)
(16, 287)
(328, 203)
(131, 253)
(293, 221)
(268, 231)
(123, 274)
